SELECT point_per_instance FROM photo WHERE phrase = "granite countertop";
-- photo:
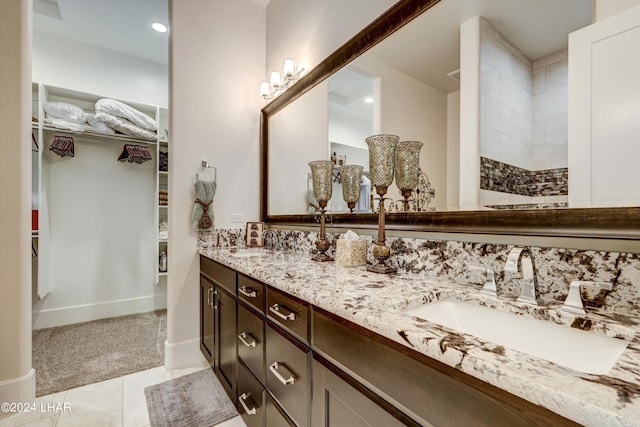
(376, 302)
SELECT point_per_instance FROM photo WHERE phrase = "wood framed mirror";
(615, 222)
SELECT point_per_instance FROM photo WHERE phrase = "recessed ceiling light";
(368, 100)
(161, 28)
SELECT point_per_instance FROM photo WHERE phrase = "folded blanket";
(120, 109)
(202, 217)
(126, 127)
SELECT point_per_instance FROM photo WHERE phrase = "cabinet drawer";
(289, 312)
(251, 340)
(287, 372)
(274, 415)
(251, 291)
(220, 274)
(251, 397)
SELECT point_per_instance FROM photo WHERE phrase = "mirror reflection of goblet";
(321, 174)
(381, 162)
(351, 175)
(407, 168)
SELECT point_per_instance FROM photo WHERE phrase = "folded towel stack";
(62, 146)
(163, 197)
(134, 154)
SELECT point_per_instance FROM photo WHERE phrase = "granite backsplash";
(450, 260)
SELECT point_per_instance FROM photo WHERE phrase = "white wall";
(296, 140)
(453, 151)
(310, 30)
(217, 61)
(17, 378)
(68, 64)
(470, 114)
(415, 112)
(348, 130)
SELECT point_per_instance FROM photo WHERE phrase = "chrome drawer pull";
(243, 337)
(275, 309)
(247, 292)
(243, 398)
(274, 370)
(209, 296)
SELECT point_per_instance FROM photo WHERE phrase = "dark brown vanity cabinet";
(339, 401)
(298, 365)
(207, 319)
(218, 313)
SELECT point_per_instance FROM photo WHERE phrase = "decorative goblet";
(407, 168)
(321, 173)
(351, 184)
(381, 160)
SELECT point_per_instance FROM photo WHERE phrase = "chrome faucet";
(573, 303)
(270, 239)
(520, 259)
(489, 287)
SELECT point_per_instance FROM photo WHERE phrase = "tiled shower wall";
(451, 260)
(523, 121)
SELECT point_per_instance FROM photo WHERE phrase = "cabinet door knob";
(285, 381)
(247, 292)
(276, 309)
(243, 401)
(243, 337)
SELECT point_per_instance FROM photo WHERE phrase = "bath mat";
(71, 356)
(196, 399)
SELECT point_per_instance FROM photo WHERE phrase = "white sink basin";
(249, 254)
(572, 348)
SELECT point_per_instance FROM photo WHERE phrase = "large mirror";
(408, 84)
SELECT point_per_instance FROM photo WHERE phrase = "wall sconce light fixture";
(279, 82)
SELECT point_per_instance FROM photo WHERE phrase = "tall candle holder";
(381, 168)
(351, 175)
(321, 173)
(407, 168)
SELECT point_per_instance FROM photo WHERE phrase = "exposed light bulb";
(161, 28)
(275, 79)
(264, 88)
(289, 67)
(368, 100)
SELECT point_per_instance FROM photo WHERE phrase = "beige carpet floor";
(74, 355)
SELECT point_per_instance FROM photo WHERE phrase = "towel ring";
(205, 166)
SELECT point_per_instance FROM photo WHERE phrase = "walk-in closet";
(100, 198)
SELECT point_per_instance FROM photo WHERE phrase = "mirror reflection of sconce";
(279, 82)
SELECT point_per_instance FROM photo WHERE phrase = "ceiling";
(428, 48)
(120, 25)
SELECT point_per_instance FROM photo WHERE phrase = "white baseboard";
(184, 354)
(21, 389)
(49, 318)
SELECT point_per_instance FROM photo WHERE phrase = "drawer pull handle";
(243, 399)
(243, 337)
(274, 370)
(275, 309)
(209, 296)
(247, 292)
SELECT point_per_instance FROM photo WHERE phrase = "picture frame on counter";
(254, 234)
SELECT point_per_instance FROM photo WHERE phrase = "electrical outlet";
(237, 217)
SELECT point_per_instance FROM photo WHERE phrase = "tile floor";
(118, 402)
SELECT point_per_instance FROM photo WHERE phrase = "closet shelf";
(117, 137)
(163, 173)
(163, 206)
(163, 240)
(163, 273)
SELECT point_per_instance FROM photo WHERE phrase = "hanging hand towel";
(202, 218)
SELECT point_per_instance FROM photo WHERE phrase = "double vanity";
(296, 342)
